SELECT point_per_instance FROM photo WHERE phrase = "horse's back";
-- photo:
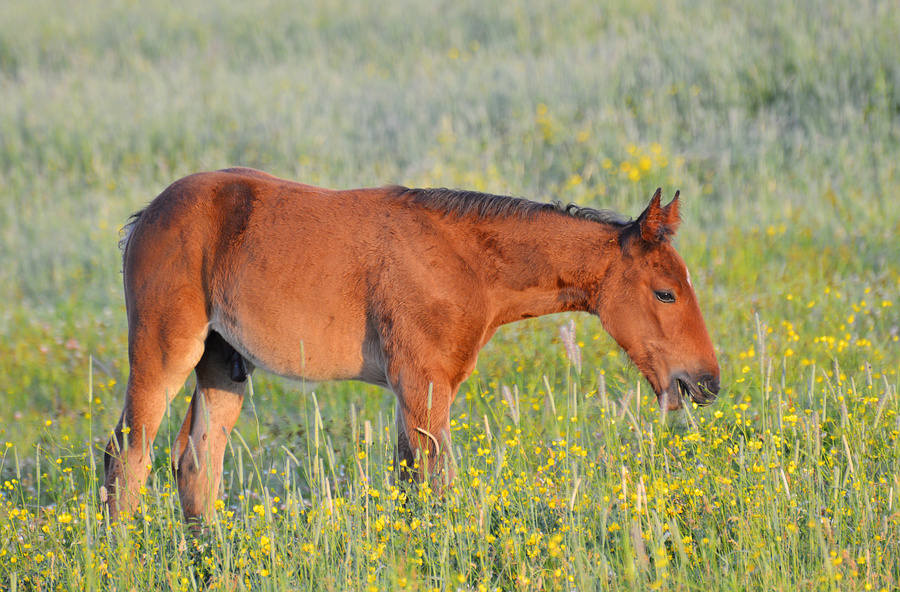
(218, 213)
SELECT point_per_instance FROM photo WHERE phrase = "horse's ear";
(659, 222)
(673, 214)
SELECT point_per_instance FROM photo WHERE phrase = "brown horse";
(236, 269)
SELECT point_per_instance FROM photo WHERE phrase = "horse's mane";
(458, 203)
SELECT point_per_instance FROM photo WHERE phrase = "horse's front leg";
(423, 432)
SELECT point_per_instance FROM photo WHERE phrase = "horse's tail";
(125, 233)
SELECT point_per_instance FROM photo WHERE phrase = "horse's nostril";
(710, 384)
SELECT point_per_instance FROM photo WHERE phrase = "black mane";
(459, 203)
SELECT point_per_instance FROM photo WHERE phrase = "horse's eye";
(664, 296)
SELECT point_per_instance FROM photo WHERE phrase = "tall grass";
(777, 120)
(560, 489)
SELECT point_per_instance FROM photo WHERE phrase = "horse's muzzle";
(703, 391)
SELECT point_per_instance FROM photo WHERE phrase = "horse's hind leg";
(161, 359)
(201, 444)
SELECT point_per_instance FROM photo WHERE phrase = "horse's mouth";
(702, 392)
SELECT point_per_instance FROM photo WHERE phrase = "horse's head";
(648, 305)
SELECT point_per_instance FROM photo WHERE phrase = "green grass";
(779, 122)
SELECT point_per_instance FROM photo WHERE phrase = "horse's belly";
(315, 347)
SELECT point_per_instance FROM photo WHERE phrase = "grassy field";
(779, 121)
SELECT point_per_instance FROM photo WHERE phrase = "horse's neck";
(543, 265)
